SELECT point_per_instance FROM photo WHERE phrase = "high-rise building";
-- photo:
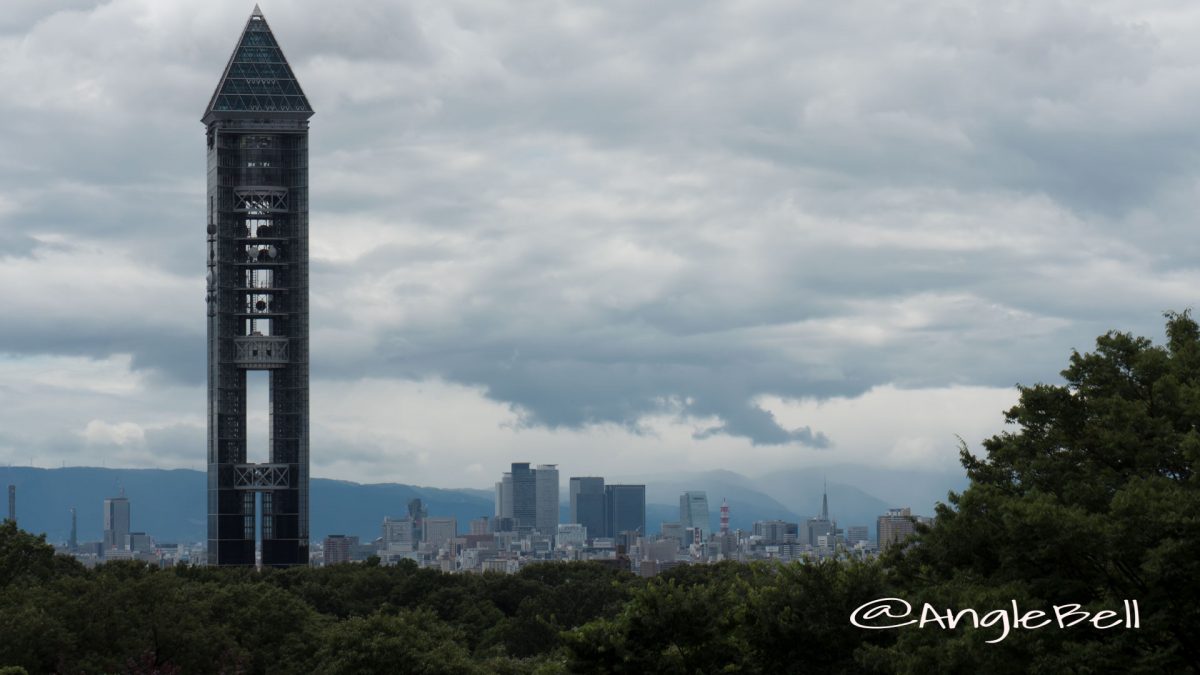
(773, 531)
(138, 542)
(399, 534)
(504, 496)
(693, 510)
(817, 527)
(481, 525)
(116, 522)
(545, 478)
(587, 504)
(856, 533)
(624, 509)
(894, 527)
(339, 548)
(257, 133)
(524, 496)
(418, 512)
(440, 531)
(12, 503)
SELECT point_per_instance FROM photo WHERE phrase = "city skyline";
(724, 238)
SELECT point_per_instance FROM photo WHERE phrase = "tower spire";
(824, 500)
(257, 81)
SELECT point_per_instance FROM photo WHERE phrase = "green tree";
(796, 615)
(1093, 499)
(413, 642)
(23, 557)
(685, 622)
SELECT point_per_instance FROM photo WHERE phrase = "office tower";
(116, 522)
(339, 548)
(771, 531)
(504, 496)
(589, 497)
(439, 531)
(398, 533)
(894, 527)
(545, 478)
(12, 503)
(139, 542)
(73, 542)
(257, 134)
(817, 527)
(418, 512)
(480, 525)
(855, 534)
(624, 509)
(587, 504)
(693, 510)
(524, 496)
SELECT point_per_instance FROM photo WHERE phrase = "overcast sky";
(623, 237)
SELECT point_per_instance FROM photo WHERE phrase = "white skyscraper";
(546, 498)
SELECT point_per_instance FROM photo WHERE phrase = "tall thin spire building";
(257, 206)
(820, 526)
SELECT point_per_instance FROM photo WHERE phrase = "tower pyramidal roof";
(258, 82)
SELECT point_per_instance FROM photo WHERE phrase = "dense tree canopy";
(1091, 498)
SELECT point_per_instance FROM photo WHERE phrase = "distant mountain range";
(169, 504)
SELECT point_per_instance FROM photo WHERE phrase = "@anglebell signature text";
(887, 613)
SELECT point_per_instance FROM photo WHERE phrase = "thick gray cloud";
(598, 214)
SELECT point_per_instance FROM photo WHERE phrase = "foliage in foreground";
(1093, 499)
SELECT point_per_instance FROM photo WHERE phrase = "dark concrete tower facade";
(258, 302)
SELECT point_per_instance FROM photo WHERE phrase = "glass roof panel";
(258, 76)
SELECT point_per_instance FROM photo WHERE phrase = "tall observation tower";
(258, 303)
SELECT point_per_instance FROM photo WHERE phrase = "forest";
(1090, 497)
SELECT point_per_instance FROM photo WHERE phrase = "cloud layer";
(613, 219)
